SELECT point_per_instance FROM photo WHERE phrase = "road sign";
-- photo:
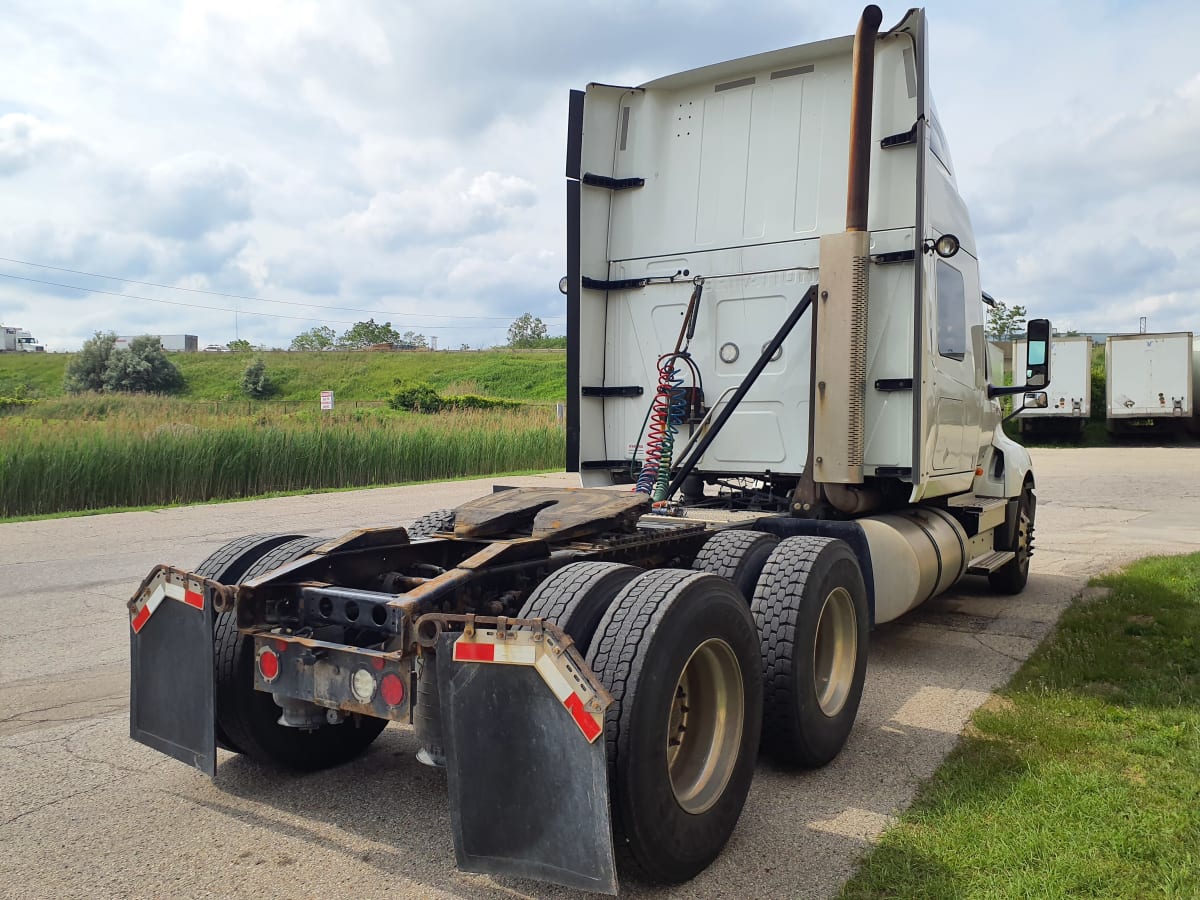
(326, 399)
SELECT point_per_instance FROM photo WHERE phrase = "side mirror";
(1036, 400)
(1037, 353)
(1037, 366)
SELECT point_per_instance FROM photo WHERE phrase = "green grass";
(1082, 778)
(531, 375)
(90, 453)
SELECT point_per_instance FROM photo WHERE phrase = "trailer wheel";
(738, 556)
(431, 523)
(1011, 577)
(811, 609)
(250, 718)
(227, 565)
(576, 597)
(678, 651)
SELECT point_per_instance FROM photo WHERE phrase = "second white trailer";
(1150, 379)
(1069, 399)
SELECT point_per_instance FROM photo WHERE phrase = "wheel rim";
(834, 651)
(1024, 535)
(704, 731)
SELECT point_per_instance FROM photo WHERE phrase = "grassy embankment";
(1082, 778)
(534, 376)
(102, 452)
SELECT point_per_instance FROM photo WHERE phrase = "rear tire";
(250, 718)
(678, 651)
(227, 565)
(811, 610)
(738, 556)
(576, 597)
(431, 523)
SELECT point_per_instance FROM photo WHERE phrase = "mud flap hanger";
(522, 723)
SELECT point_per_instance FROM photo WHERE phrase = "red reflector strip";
(141, 618)
(586, 722)
(465, 652)
(191, 598)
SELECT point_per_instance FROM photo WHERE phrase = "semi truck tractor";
(1070, 403)
(779, 411)
(18, 340)
(1150, 381)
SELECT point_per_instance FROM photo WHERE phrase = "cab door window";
(951, 312)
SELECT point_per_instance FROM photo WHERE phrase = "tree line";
(526, 332)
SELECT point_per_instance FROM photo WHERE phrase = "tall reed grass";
(149, 451)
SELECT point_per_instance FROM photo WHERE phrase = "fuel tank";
(915, 554)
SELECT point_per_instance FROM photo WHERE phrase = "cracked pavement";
(86, 812)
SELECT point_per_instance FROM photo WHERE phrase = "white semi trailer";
(179, 343)
(1150, 381)
(1069, 405)
(784, 375)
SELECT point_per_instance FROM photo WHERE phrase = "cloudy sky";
(404, 161)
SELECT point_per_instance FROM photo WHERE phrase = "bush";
(101, 367)
(474, 401)
(420, 396)
(256, 382)
(417, 396)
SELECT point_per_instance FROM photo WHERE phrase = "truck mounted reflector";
(164, 584)
(561, 675)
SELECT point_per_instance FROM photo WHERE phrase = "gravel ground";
(85, 812)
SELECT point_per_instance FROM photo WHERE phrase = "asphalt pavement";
(86, 812)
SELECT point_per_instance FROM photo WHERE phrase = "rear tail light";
(391, 688)
(268, 664)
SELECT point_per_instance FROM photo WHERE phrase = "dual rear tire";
(701, 666)
(248, 719)
(809, 603)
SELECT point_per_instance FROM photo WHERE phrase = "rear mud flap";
(171, 690)
(527, 776)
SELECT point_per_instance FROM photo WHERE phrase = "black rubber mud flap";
(171, 692)
(528, 791)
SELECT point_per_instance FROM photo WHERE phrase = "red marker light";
(391, 688)
(268, 664)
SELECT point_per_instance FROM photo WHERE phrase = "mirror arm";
(1021, 408)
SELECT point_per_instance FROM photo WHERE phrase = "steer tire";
(1011, 577)
(250, 718)
(431, 523)
(812, 614)
(736, 555)
(227, 565)
(576, 597)
(669, 639)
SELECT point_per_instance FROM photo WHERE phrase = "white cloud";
(457, 206)
(191, 195)
(26, 140)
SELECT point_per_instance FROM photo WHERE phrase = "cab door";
(955, 366)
